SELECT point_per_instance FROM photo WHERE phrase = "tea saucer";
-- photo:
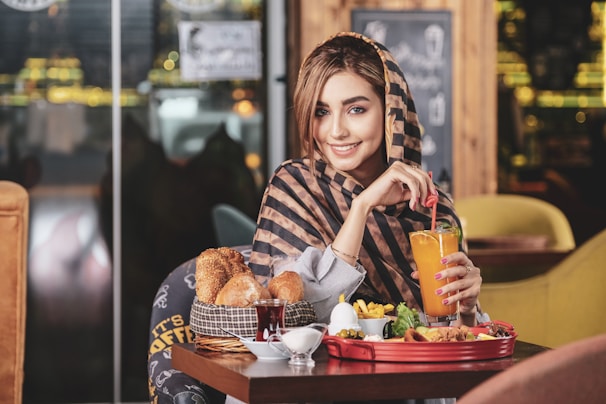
(263, 351)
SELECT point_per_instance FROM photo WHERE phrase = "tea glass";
(299, 342)
(428, 247)
(270, 317)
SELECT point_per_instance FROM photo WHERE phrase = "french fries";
(372, 309)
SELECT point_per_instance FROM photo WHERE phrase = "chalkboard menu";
(421, 43)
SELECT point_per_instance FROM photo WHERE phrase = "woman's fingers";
(400, 183)
(415, 180)
(467, 279)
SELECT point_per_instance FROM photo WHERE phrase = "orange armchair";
(14, 218)
(572, 373)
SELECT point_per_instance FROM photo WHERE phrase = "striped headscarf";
(302, 207)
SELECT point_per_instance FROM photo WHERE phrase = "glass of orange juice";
(428, 247)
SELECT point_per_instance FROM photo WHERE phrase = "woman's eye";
(321, 112)
(357, 110)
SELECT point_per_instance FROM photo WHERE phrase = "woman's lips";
(341, 149)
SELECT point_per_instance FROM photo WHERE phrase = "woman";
(346, 207)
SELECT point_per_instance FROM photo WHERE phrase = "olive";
(350, 333)
(388, 330)
(343, 333)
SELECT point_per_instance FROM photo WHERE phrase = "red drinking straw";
(432, 202)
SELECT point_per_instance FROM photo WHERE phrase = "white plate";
(263, 351)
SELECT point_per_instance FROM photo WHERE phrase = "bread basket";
(207, 322)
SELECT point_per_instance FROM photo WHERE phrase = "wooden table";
(507, 265)
(505, 259)
(516, 256)
(242, 376)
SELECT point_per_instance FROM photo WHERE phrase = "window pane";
(186, 146)
(55, 140)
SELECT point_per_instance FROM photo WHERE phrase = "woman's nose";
(338, 130)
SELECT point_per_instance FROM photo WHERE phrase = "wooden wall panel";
(474, 75)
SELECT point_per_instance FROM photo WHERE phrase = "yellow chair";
(509, 214)
(562, 305)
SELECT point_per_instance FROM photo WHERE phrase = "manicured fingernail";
(439, 292)
(443, 261)
(438, 276)
(445, 301)
(414, 203)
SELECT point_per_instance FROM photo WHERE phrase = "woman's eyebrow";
(345, 101)
(354, 99)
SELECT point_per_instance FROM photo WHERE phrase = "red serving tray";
(422, 351)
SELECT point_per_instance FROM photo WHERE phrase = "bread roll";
(287, 285)
(241, 291)
(235, 261)
(214, 267)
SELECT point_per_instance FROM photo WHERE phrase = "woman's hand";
(466, 285)
(400, 182)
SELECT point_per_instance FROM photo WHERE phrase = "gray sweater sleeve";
(325, 277)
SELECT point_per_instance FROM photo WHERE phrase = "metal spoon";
(236, 335)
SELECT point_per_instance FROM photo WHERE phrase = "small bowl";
(373, 326)
(263, 351)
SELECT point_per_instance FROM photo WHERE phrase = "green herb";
(406, 319)
(446, 225)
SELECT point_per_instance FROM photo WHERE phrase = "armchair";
(232, 226)
(14, 219)
(572, 373)
(509, 214)
(560, 306)
(170, 324)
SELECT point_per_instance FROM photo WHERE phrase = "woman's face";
(348, 126)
